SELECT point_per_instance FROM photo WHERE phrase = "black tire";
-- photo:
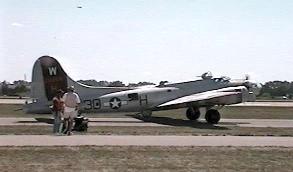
(212, 116)
(192, 114)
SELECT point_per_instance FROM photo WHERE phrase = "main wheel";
(192, 113)
(213, 116)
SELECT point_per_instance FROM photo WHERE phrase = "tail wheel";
(212, 116)
(192, 113)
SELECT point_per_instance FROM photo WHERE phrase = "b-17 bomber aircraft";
(209, 93)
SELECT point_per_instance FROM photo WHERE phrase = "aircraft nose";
(253, 87)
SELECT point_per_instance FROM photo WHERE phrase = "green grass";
(15, 110)
(257, 112)
(196, 130)
(11, 109)
(145, 159)
(201, 129)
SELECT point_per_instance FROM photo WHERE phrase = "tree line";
(277, 89)
(270, 90)
(18, 88)
(113, 83)
(22, 88)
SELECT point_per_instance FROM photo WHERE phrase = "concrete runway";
(265, 104)
(128, 140)
(273, 123)
(12, 101)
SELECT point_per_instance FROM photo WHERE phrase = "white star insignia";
(115, 104)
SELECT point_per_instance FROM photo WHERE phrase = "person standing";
(71, 105)
(57, 109)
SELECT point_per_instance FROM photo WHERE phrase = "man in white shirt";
(71, 104)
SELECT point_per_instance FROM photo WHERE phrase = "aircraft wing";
(208, 98)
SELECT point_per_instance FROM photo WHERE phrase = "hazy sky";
(151, 40)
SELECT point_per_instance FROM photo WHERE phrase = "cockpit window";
(133, 96)
(222, 79)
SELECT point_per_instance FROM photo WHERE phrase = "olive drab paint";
(54, 76)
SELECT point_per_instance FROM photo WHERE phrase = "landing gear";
(192, 113)
(212, 116)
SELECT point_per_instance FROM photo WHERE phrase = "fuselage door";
(143, 100)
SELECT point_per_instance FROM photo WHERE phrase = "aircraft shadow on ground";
(97, 121)
(158, 120)
(182, 122)
(39, 120)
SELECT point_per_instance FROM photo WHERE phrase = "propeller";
(247, 77)
(252, 86)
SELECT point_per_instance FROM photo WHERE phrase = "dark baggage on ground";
(81, 123)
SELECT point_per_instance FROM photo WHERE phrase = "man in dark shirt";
(58, 109)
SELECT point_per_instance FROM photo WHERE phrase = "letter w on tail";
(52, 71)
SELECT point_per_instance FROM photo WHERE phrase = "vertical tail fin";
(48, 76)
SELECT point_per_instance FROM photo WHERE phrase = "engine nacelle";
(229, 99)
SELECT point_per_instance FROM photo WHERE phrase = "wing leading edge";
(224, 96)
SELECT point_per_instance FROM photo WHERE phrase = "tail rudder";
(48, 76)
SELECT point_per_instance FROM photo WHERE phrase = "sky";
(149, 40)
